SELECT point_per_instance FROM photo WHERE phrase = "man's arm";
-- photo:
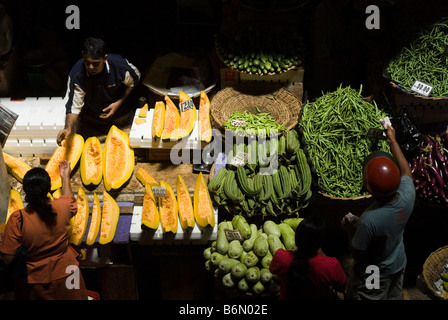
(403, 163)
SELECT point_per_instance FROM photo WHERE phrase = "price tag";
(159, 191)
(183, 106)
(238, 123)
(421, 88)
(234, 234)
(240, 159)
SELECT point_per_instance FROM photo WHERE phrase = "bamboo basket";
(283, 105)
(433, 267)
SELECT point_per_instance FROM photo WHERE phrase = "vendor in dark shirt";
(97, 88)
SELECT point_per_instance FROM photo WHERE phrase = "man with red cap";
(376, 237)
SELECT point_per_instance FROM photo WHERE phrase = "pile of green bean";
(424, 59)
(334, 128)
(253, 122)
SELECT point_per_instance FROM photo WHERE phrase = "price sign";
(421, 88)
(234, 234)
(238, 123)
(183, 106)
(240, 159)
(159, 191)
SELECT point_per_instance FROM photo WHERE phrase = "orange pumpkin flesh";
(158, 119)
(150, 213)
(81, 218)
(16, 167)
(168, 210)
(15, 202)
(172, 118)
(205, 129)
(186, 213)
(203, 207)
(71, 150)
(95, 221)
(109, 218)
(91, 165)
(187, 117)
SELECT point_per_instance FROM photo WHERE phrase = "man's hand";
(62, 135)
(110, 110)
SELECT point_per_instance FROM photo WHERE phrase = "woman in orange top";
(52, 264)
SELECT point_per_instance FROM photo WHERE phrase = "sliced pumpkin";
(109, 218)
(15, 166)
(150, 213)
(144, 177)
(168, 210)
(139, 121)
(95, 221)
(172, 118)
(91, 165)
(186, 214)
(203, 206)
(204, 125)
(158, 119)
(81, 218)
(143, 111)
(187, 116)
(118, 159)
(15, 202)
(70, 150)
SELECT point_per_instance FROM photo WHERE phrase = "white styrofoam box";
(36, 128)
(140, 135)
(196, 235)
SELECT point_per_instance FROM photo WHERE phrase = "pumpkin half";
(186, 214)
(187, 117)
(70, 150)
(168, 209)
(81, 218)
(91, 165)
(144, 177)
(172, 118)
(95, 221)
(204, 123)
(150, 213)
(143, 111)
(15, 202)
(203, 207)
(16, 167)
(118, 159)
(158, 119)
(109, 218)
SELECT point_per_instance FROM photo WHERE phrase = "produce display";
(429, 168)
(248, 123)
(168, 208)
(334, 129)
(260, 51)
(275, 179)
(242, 262)
(424, 59)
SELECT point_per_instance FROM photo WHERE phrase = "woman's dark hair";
(94, 47)
(309, 237)
(37, 185)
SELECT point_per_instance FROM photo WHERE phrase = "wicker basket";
(433, 267)
(283, 106)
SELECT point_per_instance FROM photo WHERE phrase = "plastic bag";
(407, 133)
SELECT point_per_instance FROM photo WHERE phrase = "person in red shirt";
(50, 259)
(307, 273)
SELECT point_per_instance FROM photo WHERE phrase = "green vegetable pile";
(260, 51)
(424, 59)
(253, 124)
(243, 264)
(334, 129)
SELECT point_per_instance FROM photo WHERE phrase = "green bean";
(334, 129)
(253, 122)
(424, 60)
